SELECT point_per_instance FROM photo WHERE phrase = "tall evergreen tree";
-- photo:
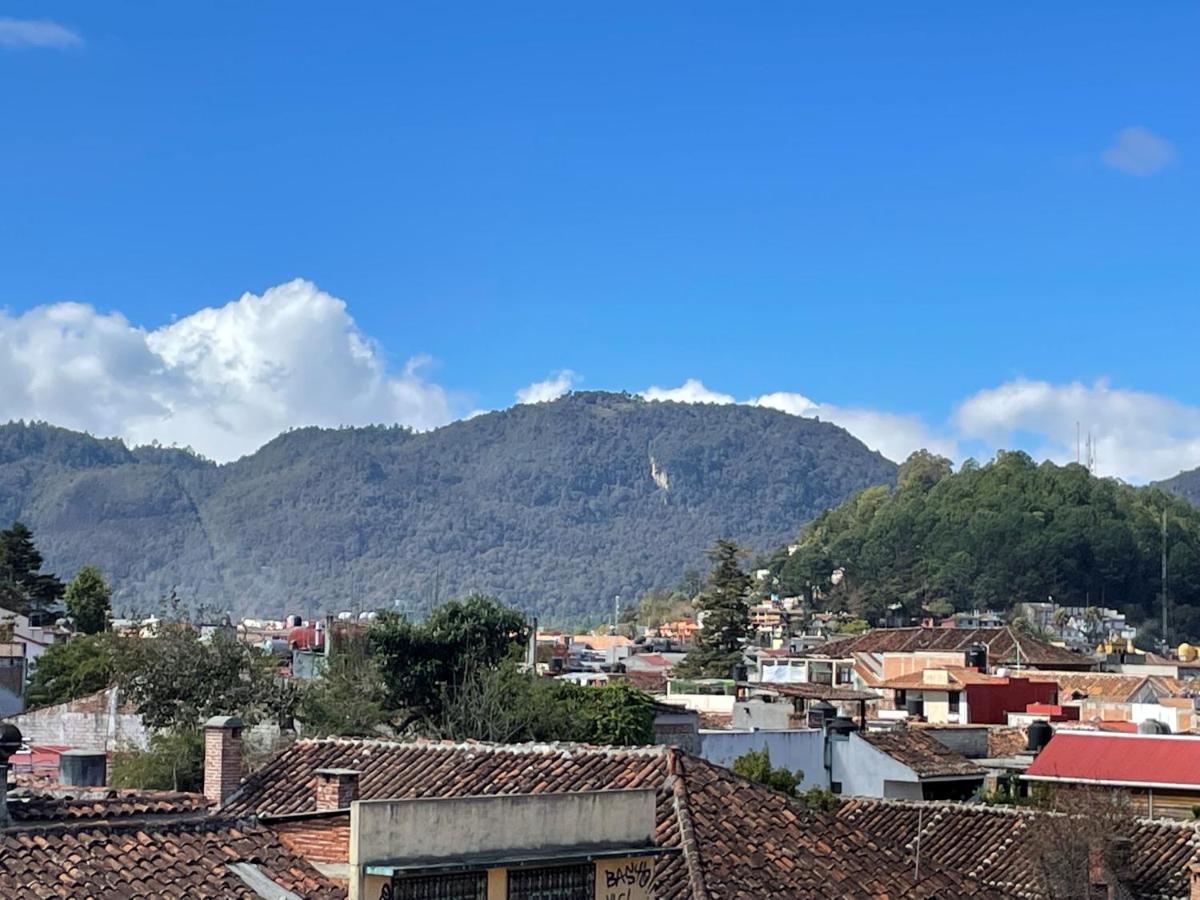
(89, 601)
(22, 583)
(725, 610)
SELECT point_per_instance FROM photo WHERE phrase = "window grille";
(557, 883)
(464, 886)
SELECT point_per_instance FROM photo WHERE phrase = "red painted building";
(966, 696)
(990, 702)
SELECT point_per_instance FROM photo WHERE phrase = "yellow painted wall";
(625, 879)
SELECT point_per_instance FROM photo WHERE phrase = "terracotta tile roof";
(921, 752)
(102, 805)
(1111, 686)
(392, 770)
(746, 842)
(192, 860)
(1003, 742)
(1002, 645)
(650, 681)
(739, 841)
(957, 678)
(998, 846)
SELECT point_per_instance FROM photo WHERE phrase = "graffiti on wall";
(626, 879)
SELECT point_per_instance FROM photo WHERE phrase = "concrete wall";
(802, 749)
(455, 829)
(970, 742)
(720, 704)
(94, 722)
(863, 770)
(755, 712)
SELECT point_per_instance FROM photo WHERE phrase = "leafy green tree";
(89, 601)
(418, 661)
(998, 534)
(178, 681)
(504, 704)
(173, 762)
(348, 697)
(756, 766)
(28, 589)
(726, 616)
(74, 668)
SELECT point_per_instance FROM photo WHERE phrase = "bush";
(174, 762)
(756, 765)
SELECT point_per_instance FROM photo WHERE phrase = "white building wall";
(866, 772)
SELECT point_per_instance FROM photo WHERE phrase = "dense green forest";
(998, 534)
(555, 506)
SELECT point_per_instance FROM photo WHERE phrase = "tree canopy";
(89, 601)
(553, 505)
(24, 588)
(997, 534)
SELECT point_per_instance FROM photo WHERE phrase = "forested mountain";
(1185, 485)
(554, 506)
(999, 534)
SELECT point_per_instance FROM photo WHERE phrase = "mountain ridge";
(556, 506)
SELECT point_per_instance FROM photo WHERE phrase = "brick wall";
(323, 840)
(98, 721)
(336, 791)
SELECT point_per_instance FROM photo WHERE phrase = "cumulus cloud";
(691, 391)
(223, 380)
(36, 33)
(895, 435)
(1138, 436)
(550, 389)
(1139, 151)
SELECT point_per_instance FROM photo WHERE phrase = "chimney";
(336, 788)
(222, 757)
(10, 743)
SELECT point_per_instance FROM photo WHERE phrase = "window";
(954, 701)
(467, 886)
(557, 883)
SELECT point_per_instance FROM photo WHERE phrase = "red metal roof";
(1129, 759)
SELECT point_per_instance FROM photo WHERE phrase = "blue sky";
(960, 225)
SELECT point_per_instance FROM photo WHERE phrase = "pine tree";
(21, 580)
(725, 613)
(89, 601)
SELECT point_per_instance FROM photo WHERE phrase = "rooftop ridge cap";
(530, 747)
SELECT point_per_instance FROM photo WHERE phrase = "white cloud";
(550, 389)
(895, 435)
(223, 380)
(1139, 151)
(1139, 436)
(691, 391)
(36, 33)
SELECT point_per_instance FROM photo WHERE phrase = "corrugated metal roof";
(1126, 759)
